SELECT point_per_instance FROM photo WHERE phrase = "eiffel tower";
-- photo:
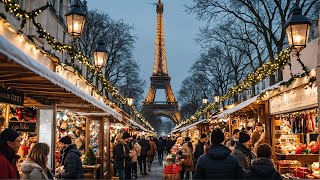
(160, 79)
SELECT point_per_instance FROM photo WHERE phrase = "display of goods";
(315, 166)
(171, 176)
(171, 169)
(316, 174)
(301, 172)
(289, 163)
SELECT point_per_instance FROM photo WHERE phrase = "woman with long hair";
(35, 166)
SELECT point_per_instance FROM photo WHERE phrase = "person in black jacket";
(218, 163)
(200, 147)
(243, 151)
(169, 144)
(71, 161)
(263, 167)
(122, 159)
(160, 148)
(145, 147)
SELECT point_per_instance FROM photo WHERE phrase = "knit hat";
(8, 135)
(244, 137)
(217, 136)
(66, 140)
(235, 131)
(125, 135)
(187, 139)
(203, 136)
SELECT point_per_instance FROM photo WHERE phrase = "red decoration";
(171, 169)
(126, 129)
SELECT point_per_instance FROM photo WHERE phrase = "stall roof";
(138, 125)
(24, 73)
(245, 103)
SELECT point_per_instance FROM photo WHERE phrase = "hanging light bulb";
(65, 117)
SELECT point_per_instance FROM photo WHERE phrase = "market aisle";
(156, 172)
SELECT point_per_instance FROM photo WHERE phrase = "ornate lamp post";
(204, 99)
(216, 98)
(130, 99)
(297, 28)
(76, 19)
(100, 55)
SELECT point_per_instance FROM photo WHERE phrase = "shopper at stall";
(9, 146)
(145, 147)
(151, 153)
(232, 141)
(80, 142)
(71, 162)
(200, 147)
(122, 159)
(169, 144)
(263, 167)
(35, 166)
(257, 133)
(160, 148)
(243, 151)
(134, 153)
(187, 155)
(218, 162)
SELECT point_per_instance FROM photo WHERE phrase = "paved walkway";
(155, 174)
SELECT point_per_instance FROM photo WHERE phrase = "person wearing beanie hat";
(262, 167)
(122, 159)
(232, 141)
(243, 151)
(71, 162)
(218, 162)
(10, 141)
(199, 151)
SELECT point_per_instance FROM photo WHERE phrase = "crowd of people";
(215, 156)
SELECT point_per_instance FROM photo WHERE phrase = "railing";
(160, 103)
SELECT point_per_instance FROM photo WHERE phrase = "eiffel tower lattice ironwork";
(160, 79)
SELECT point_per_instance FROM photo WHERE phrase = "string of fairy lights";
(256, 76)
(23, 16)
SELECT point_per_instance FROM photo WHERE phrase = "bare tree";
(121, 70)
(266, 18)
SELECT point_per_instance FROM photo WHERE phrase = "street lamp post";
(297, 28)
(100, 55)
(205, 102)
(76, 19)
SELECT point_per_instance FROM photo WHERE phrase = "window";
(53, 3)
(257, 89)
(263, 84)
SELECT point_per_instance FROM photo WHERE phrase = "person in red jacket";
(9, 145)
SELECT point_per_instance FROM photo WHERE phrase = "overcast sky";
(180, 30)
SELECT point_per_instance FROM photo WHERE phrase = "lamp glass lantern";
(76, 19)
(216, 98)
(204, 99)
(100, 55)
(130, 99)
(297, 28)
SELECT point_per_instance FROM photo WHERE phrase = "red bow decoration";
(172, 169)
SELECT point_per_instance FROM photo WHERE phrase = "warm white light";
(65, 117)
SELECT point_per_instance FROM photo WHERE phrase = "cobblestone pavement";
(155, 174)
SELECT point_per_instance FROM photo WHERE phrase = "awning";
(245, 103)
(138, 125)
(17, 52)
(193, 124)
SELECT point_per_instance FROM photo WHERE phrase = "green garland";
(256, 76)
(24, 15)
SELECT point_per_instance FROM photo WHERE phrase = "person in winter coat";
(122, 159)
(151, 153)
(134, 153)
(257, 133)
(160, 148)
(263, 167)
(9, 146)
(35, 166)
(200, 147)
(243, 151)
(169, 144)
(145, 147)
(232, 141)
(218, 163)
(187, 155)
(71, 162)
